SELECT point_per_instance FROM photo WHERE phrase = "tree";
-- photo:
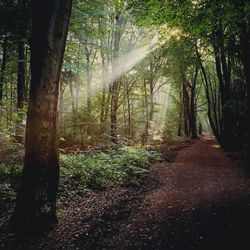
(36, 199)
(183, 69)
(222, 29)
(118, 22)
(3, 65)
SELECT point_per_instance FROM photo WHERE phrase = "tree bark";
(192, 117)
(73, 108)
(186, 111)
(129, 110)
(186, 102)
(36, 199)
(115, 84)
(145, 133)
(20, 89)
(3, 65)
(151, 93)
(227, 133)
(89, 93)
(103, 101)
(21, 75)
(152, 104)
(113, 112)
(179, 133)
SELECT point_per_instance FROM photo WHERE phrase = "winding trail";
(203, 202)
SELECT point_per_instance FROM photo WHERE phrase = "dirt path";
(202, 201)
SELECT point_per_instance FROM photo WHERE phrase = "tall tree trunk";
(3, 65)
(89, 94)
(186, 102)
(89, 87)
(20, 89)
(151, 92)
(113, 111)
(145, 134)
(73, 108)
(12, 101)
(27, 74)
(104, 60)
(115, 84)
(103, 101)
(192, 117)
(151, 96)
(180, 114)
(77, 91)
(21, 75)
(227, 133)
(186, 112)
(106, 92)
(129, 110)
(62, 112)
(107, 106)
(36, 199)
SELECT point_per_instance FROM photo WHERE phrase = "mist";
(125, 63)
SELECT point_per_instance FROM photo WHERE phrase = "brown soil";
(201, 201)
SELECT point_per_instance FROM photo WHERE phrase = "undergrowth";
(83, 172)
(79, 172)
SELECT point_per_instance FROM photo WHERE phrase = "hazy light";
(125, 63)
(120, 66)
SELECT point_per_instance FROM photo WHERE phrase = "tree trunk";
(215, 125)
(145, 134)
(186, 112)
(103, 96)
(186, 107)
(113, 112)
(2, 73)
(21, 75)
(115, 85)
(192, 117)
(73, 108)
(180, 115)
(89, 87)
(107, 106)
(36, 199)
(27, 75)
(20, 89)
(129, 110)
(227, 133)
(152, 106)
(151, 92)
(89, 95)
(62, 112)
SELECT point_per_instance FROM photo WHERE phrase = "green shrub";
(11, 153)
(81, 172)
(101, 170)
(10, 171)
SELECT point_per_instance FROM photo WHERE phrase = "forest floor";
(201, 201)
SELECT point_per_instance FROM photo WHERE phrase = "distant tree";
(36, 199)
(15, 29)
(222, 31)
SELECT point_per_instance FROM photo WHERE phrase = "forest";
(124, 124)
